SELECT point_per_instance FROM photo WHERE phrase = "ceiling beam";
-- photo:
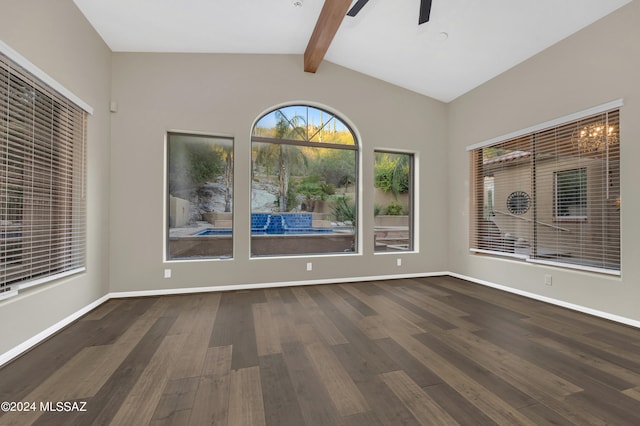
(425, 11)
(331, 16)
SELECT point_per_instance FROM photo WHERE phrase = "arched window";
(304, 183)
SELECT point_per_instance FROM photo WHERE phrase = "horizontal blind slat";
(42, 175)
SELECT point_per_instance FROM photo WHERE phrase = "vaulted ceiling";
(464, 44)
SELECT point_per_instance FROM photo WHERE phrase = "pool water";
(227, 231)
(275, 224)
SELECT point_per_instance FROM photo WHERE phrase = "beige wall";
(224, 94)
(592, 67)
(55, 37)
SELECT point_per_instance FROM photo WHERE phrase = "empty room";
(306, 212)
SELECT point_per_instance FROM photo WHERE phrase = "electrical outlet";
(398, 262)
(167, 273)
(309, 266)
(548, 280)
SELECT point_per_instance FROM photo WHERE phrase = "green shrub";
(328, 188)
(394, 208)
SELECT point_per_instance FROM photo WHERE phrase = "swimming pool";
(275, 224)
(297, 231)
(213, 231)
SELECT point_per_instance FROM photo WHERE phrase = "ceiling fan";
(425, 10)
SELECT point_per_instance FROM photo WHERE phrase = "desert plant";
(343, 210)
(328, 188)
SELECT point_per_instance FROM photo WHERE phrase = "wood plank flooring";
(428, 351)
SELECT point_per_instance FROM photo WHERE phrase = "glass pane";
(393, 203)
(303, 123)
(578, 189)
(42, 170)
(200, 202)
(571, 193)
(488, 199)
(553, 195)
(303, 200)
(285, 123)
(504, 195)
(328, 129)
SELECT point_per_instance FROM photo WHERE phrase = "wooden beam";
(331, 16)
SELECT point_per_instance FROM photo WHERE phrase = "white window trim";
(359, 158)
(415, 202)
(165, 174)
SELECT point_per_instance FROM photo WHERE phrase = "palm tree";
(284, 155)
(225, 154)
(228, 179)
(392, 172)
(400, 175)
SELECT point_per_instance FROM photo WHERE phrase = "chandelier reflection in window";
(595, 137)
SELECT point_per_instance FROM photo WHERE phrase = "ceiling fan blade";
(425, 11)
(356, 7)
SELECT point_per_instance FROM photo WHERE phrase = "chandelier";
(594, 137)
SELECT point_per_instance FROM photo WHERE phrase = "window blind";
(551, 195)
(42, 181)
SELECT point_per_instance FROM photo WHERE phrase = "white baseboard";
(28, 344)
(125, 294)
(574, 307)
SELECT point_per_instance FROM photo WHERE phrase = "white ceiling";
(485, 37)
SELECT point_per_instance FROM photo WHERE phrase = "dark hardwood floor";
(430, 351)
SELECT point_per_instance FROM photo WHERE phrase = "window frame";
(54, 129)
(582, 260)
(307, 141)
(412, 246)
(167, 211)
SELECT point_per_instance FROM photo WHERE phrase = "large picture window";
(42, 181)
(551, 195)
(200, 196)
(304, 183)
(393, 201)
